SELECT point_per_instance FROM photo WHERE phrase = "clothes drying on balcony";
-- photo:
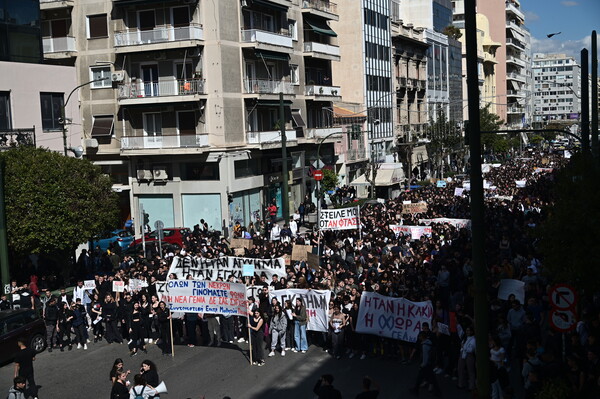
(102, 126)
(320, 27)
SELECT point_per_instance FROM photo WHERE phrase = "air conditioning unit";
(160, 173)
(118, 76)
(144, 175)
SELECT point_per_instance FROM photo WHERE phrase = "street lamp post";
(63, 119)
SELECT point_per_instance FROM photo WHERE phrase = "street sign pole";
(142, 227)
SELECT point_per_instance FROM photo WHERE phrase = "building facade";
(557, 88)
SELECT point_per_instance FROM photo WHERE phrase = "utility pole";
(4, 265)
(595, 144)
(285, 197)
(477, 207)
(585, 103)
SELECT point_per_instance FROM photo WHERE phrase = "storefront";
(246, 207)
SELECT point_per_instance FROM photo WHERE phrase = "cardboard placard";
(299, 252)
(312, 260)
(118, 286)
(419, 207)
(241, 243)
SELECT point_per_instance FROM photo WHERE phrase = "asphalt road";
(217, 372)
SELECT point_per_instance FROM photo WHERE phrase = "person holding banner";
(300, 321)
(337, 326)
(255, 324)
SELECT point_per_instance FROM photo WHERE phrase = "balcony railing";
(266, 86)
(320, 5)
(515, 42)
(271, 136)
(16, 137)
(512, 25)
(317, 90)
(515, 76)
(162, 88)
(46, 4)
(515, 60)
(515, 93)
(159, 35)
(314, 47)
(283, 39)
(58, 44)
(322, 132)
(354, 154)
(160, 141)
(515, 110)
(511, 7)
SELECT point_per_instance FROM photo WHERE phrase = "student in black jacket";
(324, 388)
(119, 389)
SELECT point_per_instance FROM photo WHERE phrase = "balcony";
(513, 9)
(515, 60)
(266, 86)
(59, 47)
(355, 154)
(163, 91)
(487, 57)
(163, 142)
(515, 26)
(268, 40)
(322, 8)
(55, 4)
(515, 110)
(515, 93)
(516, 76)
(11, 138)
(515, 43)
(322, 91)
(155, 39)
(323, 132)
(270, 136)
(320, 50)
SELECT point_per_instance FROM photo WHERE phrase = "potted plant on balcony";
(321, 90)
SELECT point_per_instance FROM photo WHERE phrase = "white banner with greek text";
(211, 269)
(194, 296)
(339, 219)
(316, 302)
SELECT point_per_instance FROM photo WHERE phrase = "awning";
(320, 27)
(102, 126)
(273, 103)
(271, 55)
(384, 178)
(271, 5)
(517, 35)
(297, 118)
(136, 2)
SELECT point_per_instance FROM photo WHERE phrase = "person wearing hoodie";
(426, 366)
(17, 391)
(277, 329)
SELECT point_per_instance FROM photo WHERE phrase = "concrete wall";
(25, 82)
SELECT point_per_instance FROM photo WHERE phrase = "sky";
(575, 19)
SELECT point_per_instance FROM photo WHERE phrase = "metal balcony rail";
(266, 86)
(167, 141)
(162, 88)
(320, 5)
(159, 35)
(58, 44)
(281, 38)
(314, 47)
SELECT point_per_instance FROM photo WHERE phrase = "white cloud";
(530, 16)
(554, 46)
(569, 3)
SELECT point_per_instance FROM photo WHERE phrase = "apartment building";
(32, 94)
(365, 70)
(187, 120)
(557, 88)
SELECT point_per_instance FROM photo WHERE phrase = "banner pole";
(171, 328)
(248, 326)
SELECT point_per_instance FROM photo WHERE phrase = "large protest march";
(391, 278)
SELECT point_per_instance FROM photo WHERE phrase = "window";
(293, 29)
(101, 73)
(5, 117)
(200, 171)
(247, 168)
(295, 74)
(102, 126)
(52, 104)
(97, 26)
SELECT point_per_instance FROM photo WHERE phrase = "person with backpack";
(17, 391)
(141, 390)
(150, 373)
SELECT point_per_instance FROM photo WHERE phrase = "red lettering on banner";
(212, 300)
(219, 285)
(311, 312)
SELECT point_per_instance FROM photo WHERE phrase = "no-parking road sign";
(562, 320)
(563, 297)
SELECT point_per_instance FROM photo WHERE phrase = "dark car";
(151, 248)
(104, 240)
(20, 323)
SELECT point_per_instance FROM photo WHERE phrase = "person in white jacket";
(141, 389)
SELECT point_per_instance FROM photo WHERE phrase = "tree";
(493, 142)
(53, 202)
(453, 32)
(330, 181)
(569, 235)
(444, 138)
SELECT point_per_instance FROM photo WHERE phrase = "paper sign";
(241, 243)
(248, 270)
(441, 184)
(89, 284)
(512, 286)
(312, 260)
(137, 284)
(194, 296)
(299, 252)
(419, 207)
(458, 223)
(339, 219)
(520, 183)
(288, 260)
(458, 191)
(118, 286)
(443, 328)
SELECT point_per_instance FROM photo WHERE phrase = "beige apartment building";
(187, 121)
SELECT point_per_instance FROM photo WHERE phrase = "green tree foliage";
(569, 236)
(444, 138)
(453, 32)
(494, 142)
(53, 202)
(330, 181)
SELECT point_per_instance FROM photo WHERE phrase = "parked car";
(123, 237)
(151, 248)
(20, 323)
(172, 235)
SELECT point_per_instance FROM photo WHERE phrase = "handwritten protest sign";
(520, 183)
(443, 328)
(458, 223)
(419, 207)
(118, 286)
(339, 219)
(89, 284)
(415, 232)
(441, 184)
(389, 317)
(511, 286)
(316, 302)
(248, 270)
(458, 191)
(241, 243)
(137, 284)
(211, 269)
(194, 296)
(299, 252)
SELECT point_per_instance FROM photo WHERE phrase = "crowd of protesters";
(435, 268)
